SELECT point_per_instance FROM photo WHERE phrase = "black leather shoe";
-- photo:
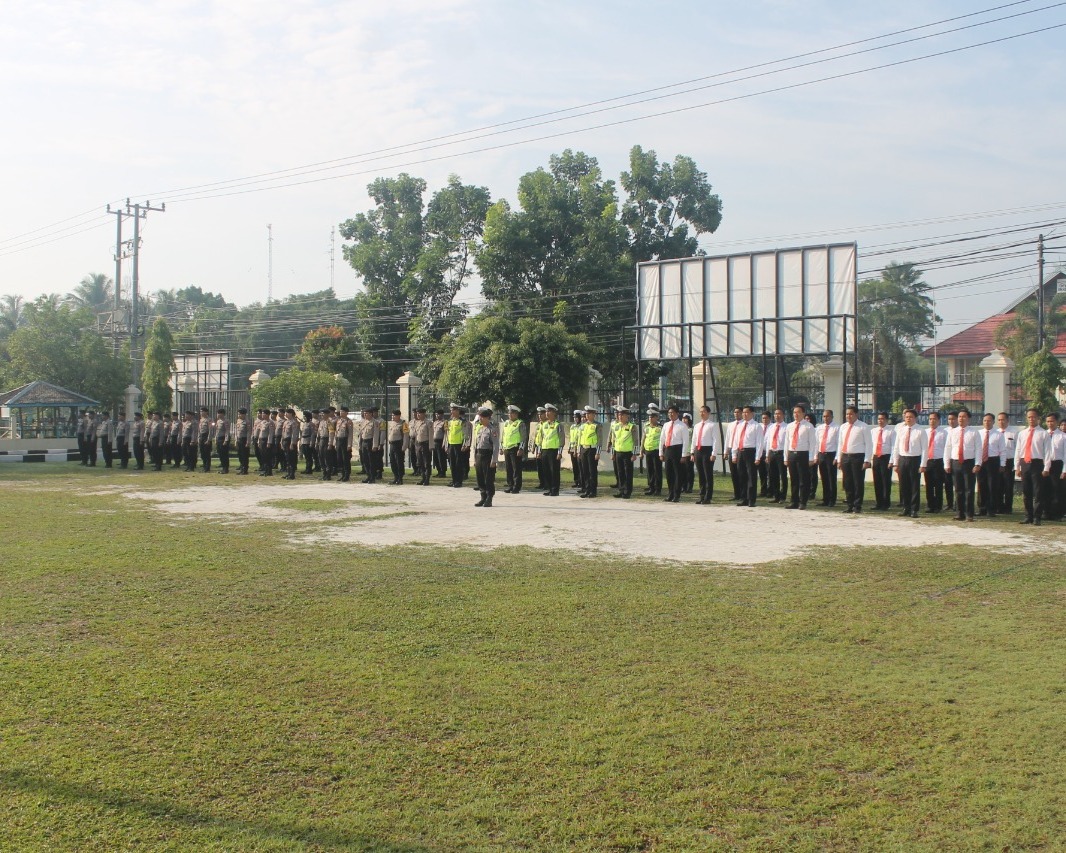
(480, 502)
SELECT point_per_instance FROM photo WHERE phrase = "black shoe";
(668, 500)
(546, 493)
(803, 506)
(626, 497)
(848, 511)
(480, 502)
(618, 496)
(1037, 522)
(742, 503)
(906, 513)
(488, 502)
(1026, 521)
(960, 518)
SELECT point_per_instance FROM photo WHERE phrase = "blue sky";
(115, 99)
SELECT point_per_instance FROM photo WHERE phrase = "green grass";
(191, 686)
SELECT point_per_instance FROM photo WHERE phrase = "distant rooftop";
(41, 393)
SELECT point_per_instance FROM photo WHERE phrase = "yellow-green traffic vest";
(623, 438)
(651, 437)
(550, 435)
(590, 435)
(455, 431)
(512, 434)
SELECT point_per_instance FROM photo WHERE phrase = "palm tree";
(95, 292)
(12, 314)
(1017, 335)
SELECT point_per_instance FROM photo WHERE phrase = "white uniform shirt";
(1008, 442)
(799, 438)
(910, 441)
(935, 449)
(855, 438)
(774, 431)
(997, 447)
(1039, 449)
(747, 435)
(964, 439)
(674, 433)
(1058, 446)
(704, 435)
(886, 436)
(827, 437)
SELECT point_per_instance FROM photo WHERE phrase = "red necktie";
(825, 438)
(669, 432)
(847, 435)
(880, 437)
(984, 450)
(743, 429)
(907, 441)
(795, 435)
(1029, 447)
(699, 437)
(932, 440)
(777, 428)
(962, 443)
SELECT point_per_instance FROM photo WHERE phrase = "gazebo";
(41, 410)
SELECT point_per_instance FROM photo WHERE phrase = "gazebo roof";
(43, 394)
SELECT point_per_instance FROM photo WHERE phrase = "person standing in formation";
(625, 443)
(992, 451)
(514, 438)
(459, 432)
(747, 455)
(173, 440)
(222, 441)
(935, 472)
(704, 451)
(165, 443)
(83, 447)
(688, 465)
(590, 454)
(266, 442)
(673, 453)
(1032, 459)
(535, 448)
(486, 442)
(422, 438)
(345, 435)
(322, 444)
(551, 446)
(730, 440)
(122, 433)
(853, 460)
(203, 440)
(106, 431)
(307, 436)
(774, 454)
(949, 479)
(765, 419)
(91, 438)
(1055, 488)
(154, 438)
(909, 460)
(241, 432)
(801, 455)
(611, 424)
(828, 434)
(399, 439)
(137, 434)
(1007, 468)
(573, 447)
(649, 450)
(440, 447)
(881, 440)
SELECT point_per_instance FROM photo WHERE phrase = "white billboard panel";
(797, 301)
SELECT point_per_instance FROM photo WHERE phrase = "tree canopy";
(158, 367)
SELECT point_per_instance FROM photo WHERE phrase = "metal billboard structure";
(765, 304)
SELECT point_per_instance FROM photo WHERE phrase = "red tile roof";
(979, 340)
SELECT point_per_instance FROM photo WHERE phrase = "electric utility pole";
(1040, 292)
(117, 329)
(140, 211)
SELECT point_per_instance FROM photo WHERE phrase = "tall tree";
(331, 350)
(95, 292)
(1018, 334)
(1042, 377)
(412, 261)
(668, 205)
(158, 367)
(310, 389)
(12, 314)
(524, 362)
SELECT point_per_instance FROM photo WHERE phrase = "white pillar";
(594, 388)
(409, 385)
(833, 378)
(133, 400)
(997, 368)
(257, 377)
(701, 390)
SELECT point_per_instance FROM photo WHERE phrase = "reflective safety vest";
(512, 434)
(624, 435)
(536, 425)
(651, 437)
(613, 438)
(551, 435)
(590, 435)
(455, 430)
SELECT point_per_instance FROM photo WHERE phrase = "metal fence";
(231, 401)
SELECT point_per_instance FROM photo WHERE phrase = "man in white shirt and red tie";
(908, 458)
(747, 455)
(881, 439)
(704, 451)
(730, 440)
(673, 451)
(962, 456)
(1032, 451)
(774, 453)
(1055, 498)
(1006, 470)
(992, 452)
(801, 455)
(828, 433)
(853, 458)
(935, 437)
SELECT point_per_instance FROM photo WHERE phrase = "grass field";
(167, 685)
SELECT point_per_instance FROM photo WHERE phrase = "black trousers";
(910, 482)
(396, 460)
(575, 465)
(455, 459)
(854, 476)
(827, 471)
(424, 460)
(242, 455)
(175, 452)
(138, 454)
(934, 484)
(590, 470)
(123, 453)
(799, 471)
(777, 475)
(1055, 493)
(485, 470)
(749, 475)
(965, 480)
(91, 446)
(292, 454)
(440, 457)
(550, 459)
(105, 448)
(188, 455)
(155, 453)
(365, 461)
(1032, 474)
(344, 461)
(989, 484)
(655, 472)
(672, 467)
(309, 458)
(257, 448)
(205, 454)
(764, 479)
(324, 458)
(83, 450)
(222, 449)
(882, 481)
(1006, 485)
(949, 486)
(512, 463)
(734, 474)
(377, 458)
(705, 473)
(624, 460)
